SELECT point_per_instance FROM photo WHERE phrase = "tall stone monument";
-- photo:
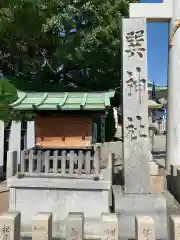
(168, 10)
(135, 107)
(136, 197)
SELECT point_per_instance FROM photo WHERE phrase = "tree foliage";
(74, 43)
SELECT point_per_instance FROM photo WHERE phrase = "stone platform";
(60, 196)
(130, 205)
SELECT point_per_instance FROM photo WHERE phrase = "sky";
(157, 49)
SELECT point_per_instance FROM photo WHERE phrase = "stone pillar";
(15, 138)
(30, 135)
(145, 228)
(173, 112)
(42, 226)
(109, 226)
(115, 113)
(75, 226)
(137, 197)
(10, 226)
(12, 165)
(135, 107)
(174, 227)
(1, 146)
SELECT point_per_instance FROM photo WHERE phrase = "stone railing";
(37, 163)
(162, 126)
(10, 223)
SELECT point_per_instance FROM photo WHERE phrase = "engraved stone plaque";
(135, 107)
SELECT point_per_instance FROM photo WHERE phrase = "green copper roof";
(63, 101)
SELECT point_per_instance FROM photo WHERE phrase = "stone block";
(154, 169)
(111, 147)
(42, 226)
(157, 183)
(136, 170)
(174, 226)
(75, 226)
(129, 206)
(10, 225)
(145, 228)
(109, 226)
(60, 196)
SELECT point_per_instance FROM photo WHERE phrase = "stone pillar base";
(131, 205)
(60, 196)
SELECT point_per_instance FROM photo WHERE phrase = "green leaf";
(31, 27)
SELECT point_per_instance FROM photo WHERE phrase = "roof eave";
(61, 109)
(61, 105)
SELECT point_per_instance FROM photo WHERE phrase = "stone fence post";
(10, 225)
(75, 226)
(109, 226)
(145, 228)
(174, 224)
(42, 226)
(108, 171)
